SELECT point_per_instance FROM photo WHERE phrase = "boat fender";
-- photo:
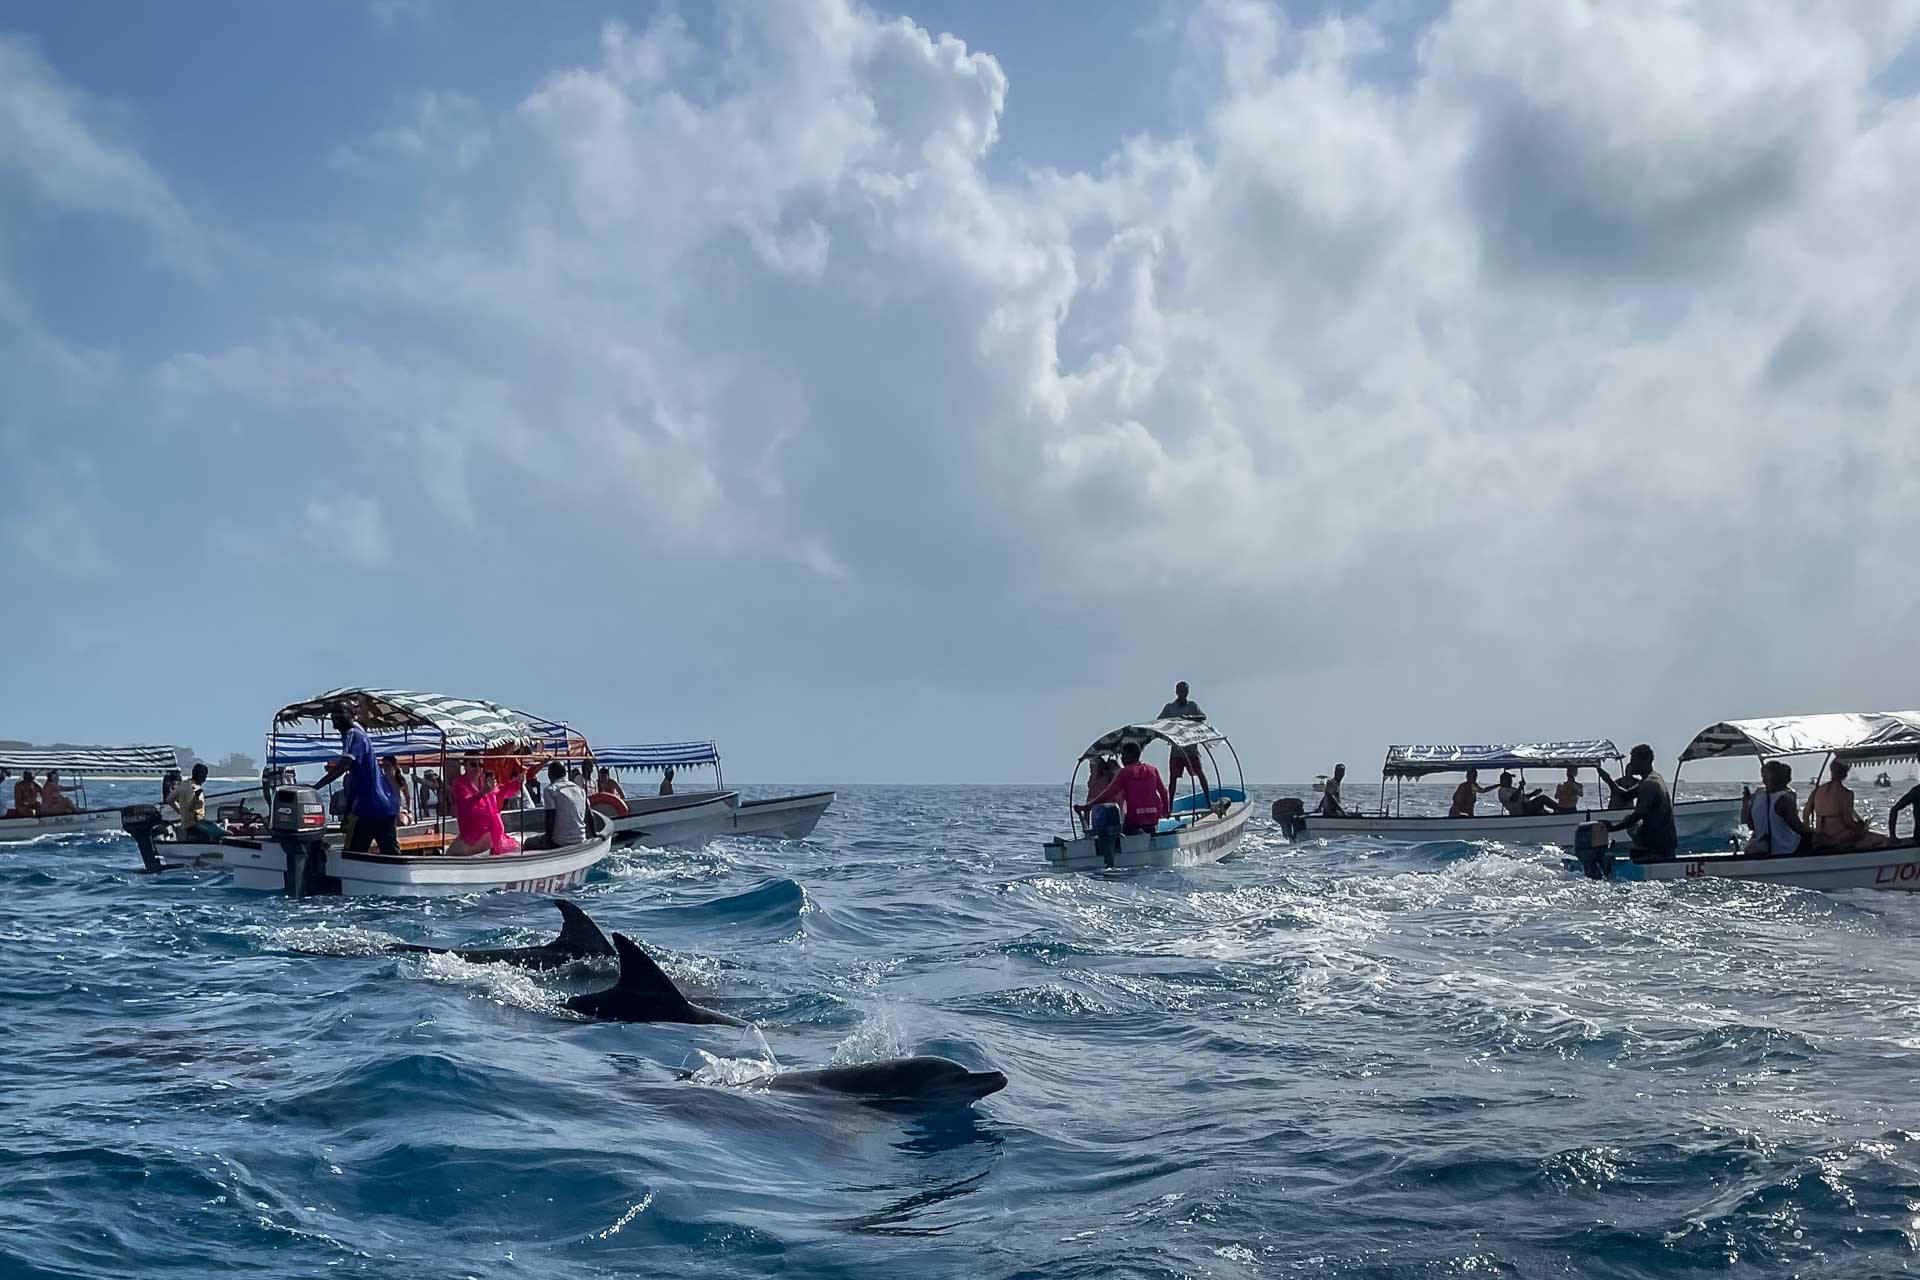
(1288, 811)
(607, 802)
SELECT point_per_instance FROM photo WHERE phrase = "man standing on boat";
(1185, 759)
(1652, 818)
(1330, 794)
(376, 810)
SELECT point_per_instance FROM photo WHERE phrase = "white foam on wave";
(502, 983)
(328, 940)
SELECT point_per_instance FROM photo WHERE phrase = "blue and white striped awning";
(286, 749)
(1859, 736)
(94, 760)
(659, 755)
(1418, 761)
(464, 723)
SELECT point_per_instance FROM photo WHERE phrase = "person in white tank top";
(1776, 833)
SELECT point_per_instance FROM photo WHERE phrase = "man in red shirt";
(1139, 792)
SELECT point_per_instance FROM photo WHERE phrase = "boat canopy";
(1850, 735)
(95, 760)
(1179, 733)
(658, 755)
(1418, 761)
(469, 724)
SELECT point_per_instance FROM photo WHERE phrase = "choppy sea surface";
(1337, 1059)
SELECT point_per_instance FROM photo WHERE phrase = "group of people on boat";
(1129, 793)
(1829, 821)
(38, 799)
(379, 800)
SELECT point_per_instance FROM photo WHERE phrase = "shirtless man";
(1330, 794)
(1467, 793)
(1567, 794)
(26, 797)
(1837, 824)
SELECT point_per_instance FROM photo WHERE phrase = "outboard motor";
(299, 825)
(144, 823)
(1590, 840)
(1103, 824)
(1289, 814)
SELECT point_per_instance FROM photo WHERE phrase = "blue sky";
(898, 407)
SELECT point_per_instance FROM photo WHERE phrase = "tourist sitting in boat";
(390, 769)
(26, 797)
(1911, 800)
(1467, 794)
(54, 801)
(431, 796)
(477, 798)
(1138, 790)
(1773, 815)
(1568, 794)
(372, 806)
(666, 781)
(1182, 760)
(1521, 803)
(566, 808)
(608, 785)
(1837, 824)
(1651, 821)
(1330, 794)
(189, 800)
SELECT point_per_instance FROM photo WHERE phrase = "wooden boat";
(1696, 821)
(675, 819)
(1205, 826)
(1868, 737)
(75, 763)
(300, 854)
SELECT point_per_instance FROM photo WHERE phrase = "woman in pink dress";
(476, 809)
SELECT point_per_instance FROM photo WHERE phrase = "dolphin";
(580, 940)
(923, 1080)
(643, 993)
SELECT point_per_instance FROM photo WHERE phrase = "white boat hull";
(1694, 821)
(689, 819)
(438, 876)
(1207, 840)
(781, 817)
(1897, 868)
(61, 824)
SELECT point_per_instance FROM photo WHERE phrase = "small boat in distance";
(1884, 780)
(1870, 737)
(688, 817)
(1205, 826)
(1694, 820)
(74, 764)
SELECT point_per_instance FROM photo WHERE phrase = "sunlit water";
(1338, 1059)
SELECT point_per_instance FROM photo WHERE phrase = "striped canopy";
(291, 749)
(659, 755)
(456, 723)
(95, 760)
(1418, 761)
(1850, 735)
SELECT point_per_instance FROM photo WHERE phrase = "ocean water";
(1343, 1059)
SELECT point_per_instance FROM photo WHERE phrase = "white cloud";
(1552, 348)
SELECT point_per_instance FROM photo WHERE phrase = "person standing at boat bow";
(376, 810)
(1185, 759)
(1652, 818)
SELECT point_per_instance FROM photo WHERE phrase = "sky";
(911, 395)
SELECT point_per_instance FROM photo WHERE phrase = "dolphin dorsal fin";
(640, 975)
(578, 932)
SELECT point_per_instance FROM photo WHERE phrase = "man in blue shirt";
(376, 810)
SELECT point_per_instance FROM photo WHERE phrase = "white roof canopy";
(1178, 733)
(1850, 735)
